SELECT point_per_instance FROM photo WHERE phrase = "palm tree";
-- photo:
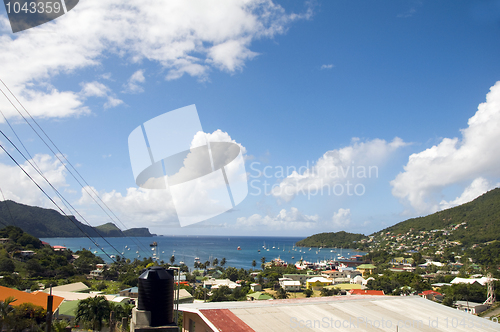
(6, 310)
(60, 325)
(215, 262)
(223, 261)
(207, 264)
(282, 294)
(93, 310)
(172, 260)
(254, 263)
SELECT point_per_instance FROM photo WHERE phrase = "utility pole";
(112, 321)
(50, 301)
(491, 291)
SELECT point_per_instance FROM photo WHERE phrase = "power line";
(55, 190)
(8, 208)
(50, 198)
(95, 194)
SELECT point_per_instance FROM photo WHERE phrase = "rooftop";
(345, 313)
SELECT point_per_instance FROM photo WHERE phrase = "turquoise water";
(186, 248)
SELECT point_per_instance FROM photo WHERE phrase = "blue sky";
(408, 88)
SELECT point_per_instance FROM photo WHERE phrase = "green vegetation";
(21, 317)
(481, 216)
(43, 223)
(339, 239)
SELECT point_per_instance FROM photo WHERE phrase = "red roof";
(366, 292)
(37, 298)
(430, 291)
(225, 321)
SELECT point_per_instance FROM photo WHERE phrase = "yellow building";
(318, 282)
(366, 269)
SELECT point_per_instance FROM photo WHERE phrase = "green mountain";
(477, 221)
(339, 239)
(46, 223)
(481, 217)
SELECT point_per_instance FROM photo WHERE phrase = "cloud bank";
(182, 37)
(472, 159)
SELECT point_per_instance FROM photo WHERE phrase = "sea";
(187, 248)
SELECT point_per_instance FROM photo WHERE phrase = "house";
(334, 274)
(482, 281)
(4, 240)
(297, 277)
(361, 312)
(27, 253)
(358, 280)
(255, 287)
(59, 248)
(37, 298)
(432, 295)
(258, 296)
(96, 274)
(471, 307)
(185, 296)
(130, 292)
(366, 269)
(317, 282)
(216, 283)
(281, 280)
(291, 285)
(79, 287)
(366, 292)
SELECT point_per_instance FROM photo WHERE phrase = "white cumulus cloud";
(181, 37)
(293, 219)
(354, 163)
(18, 187)
(342, 217)
(473, 159)
(133, 83)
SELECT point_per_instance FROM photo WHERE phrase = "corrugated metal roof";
(225, 321)
(348, 313)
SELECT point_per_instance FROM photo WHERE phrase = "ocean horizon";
(186, 248)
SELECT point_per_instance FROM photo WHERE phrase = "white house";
(216, 283)
(291, 285)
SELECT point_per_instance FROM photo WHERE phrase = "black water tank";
(156, 294)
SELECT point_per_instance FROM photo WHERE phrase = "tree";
(207, 264)
(215, 262)
(254, 263)
(220, 294)
(308, 292)
(93, 310)
(282, 293)
(6, 311)
(7, 265)
(27, 315)
(223, 261)
(172, 260)
(60, 325)
(230, 273)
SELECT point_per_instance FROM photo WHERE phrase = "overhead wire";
(94, 194)
(8, 208)
(48, 196)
